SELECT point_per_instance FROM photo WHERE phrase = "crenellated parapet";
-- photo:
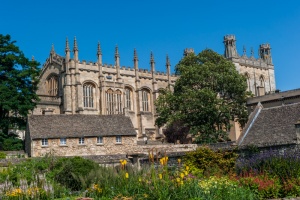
(264, 59)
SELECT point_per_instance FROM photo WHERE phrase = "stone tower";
(230, 46)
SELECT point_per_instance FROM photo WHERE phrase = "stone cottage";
(79, 135)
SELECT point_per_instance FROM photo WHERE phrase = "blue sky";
(164, 27)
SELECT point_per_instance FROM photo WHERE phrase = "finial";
(52, 48)
(67, 45)
(135, 56)
(117, 51)
(99, 52)
(244, 50)
(75, 44)
(32, 58)
(252, 52)
(151, 58)
(167, 61)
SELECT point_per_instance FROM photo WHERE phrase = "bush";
(2, 155)
(71, 172)
(211, 162)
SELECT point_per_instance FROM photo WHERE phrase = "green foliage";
(208, 94)
(18, 84)
(2, 155)
(10, 142)
(211, 162)
(72, 172)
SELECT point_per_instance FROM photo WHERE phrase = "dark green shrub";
(70, 172)
(211, 162)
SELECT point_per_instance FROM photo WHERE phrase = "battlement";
(229, 37)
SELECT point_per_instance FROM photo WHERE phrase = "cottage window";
(81, 140)
(44, 142)
(63, 141)
(88, 95)
(145, 100)
(52, 85)
(118, 139)
(128, 98)
(99, 140)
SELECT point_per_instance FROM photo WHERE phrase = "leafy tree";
(18, 84)
(208, 95)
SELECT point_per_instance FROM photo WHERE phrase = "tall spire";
(117, 62)
(136, 65)
(75, 44)
(99, 52)
(75, 50)
(117, 51)
(168, 66)
(244, 50)
(252, 52)
(135, 56)
(151, 58)
(67, 45)
(52, 49)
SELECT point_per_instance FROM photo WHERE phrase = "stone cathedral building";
(71, 86)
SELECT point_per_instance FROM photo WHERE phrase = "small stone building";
(79, 135)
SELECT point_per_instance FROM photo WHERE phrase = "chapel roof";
(57, 126)
(272, 126)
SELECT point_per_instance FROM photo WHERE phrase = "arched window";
(128, 98)
(110, 102)
(119, 102)
(261, 81)
(145, 100)
(88, 95)
(52, 85)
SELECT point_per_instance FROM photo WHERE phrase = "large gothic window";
(88, 95)
(52, 85)
(145, 100)
(110, 102)
(128, 98)
(113, 102)
(118, 102)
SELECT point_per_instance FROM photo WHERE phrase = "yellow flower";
(178, 180)
(187, 168)
(186, 172)
(181, 175)
(181, 182)
(160, 176)
(179, 160)
(126, 175)
(140, 179)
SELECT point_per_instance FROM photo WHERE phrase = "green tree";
(208, 95)
(18, 84)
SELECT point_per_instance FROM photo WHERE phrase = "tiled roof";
(273, 126)
(56, 126)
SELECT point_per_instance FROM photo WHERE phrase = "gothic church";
(70, 86)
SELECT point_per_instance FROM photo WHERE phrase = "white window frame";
(118, 139)
(44, 142)
(81, 140)
(63, 141)
(99, 140)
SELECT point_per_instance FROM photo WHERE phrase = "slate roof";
(57, 126)
(273, 126)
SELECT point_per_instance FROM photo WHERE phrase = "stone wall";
(109, 147)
